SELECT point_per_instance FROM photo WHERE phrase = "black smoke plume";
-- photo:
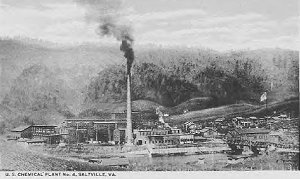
(128, 54)
(108, 14)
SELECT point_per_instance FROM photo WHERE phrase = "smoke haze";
(108, 14)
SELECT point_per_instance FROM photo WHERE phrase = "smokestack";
(108, 14)
(129, 55)
(129, 137)
(122, 33)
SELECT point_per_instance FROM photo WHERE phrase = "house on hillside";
(208, 132)
(220, 120)
(275, 136)
(191, 127)
(221, 123)
(246, 124)
(283, 117)
(237, 121)
(254, 120)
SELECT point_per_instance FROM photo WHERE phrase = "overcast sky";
(216, 24)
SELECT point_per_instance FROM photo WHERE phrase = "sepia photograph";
(104, 86)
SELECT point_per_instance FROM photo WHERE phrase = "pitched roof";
(20, 128)
(44, 125)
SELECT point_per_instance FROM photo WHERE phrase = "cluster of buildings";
(262, 122)
(110, 128)
(278, 130)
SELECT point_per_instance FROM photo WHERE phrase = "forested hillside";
(38, 97)
(172, 76)
(45, 83)
(74, 64)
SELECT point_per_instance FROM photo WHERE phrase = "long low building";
(32, 131)
(168, 136)
(43, 132)
(254, 135)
